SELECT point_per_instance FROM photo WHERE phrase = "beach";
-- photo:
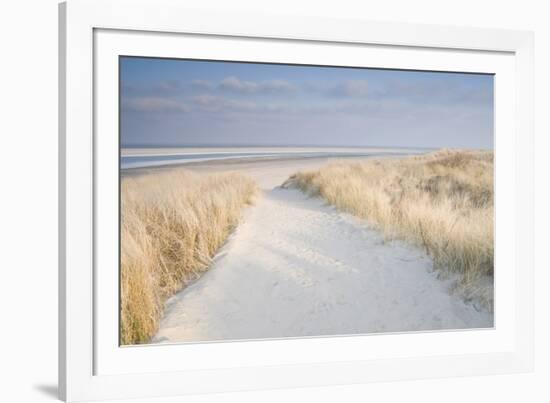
(295, 266)
(268, 166)
(139, 159)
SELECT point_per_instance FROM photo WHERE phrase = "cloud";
(154, 104)
(435, 92)
(354, 88)
(234, 84)
(212, 103)
(230, 84)
(202, 84)
(395, 99)
(339, 89)
(220, 104)
(277, 86)
(169, 85)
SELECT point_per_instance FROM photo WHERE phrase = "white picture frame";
(91, 366)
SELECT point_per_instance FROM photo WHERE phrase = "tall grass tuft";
(172, 224)
(441, 201)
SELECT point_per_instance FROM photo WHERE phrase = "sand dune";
(297, 267)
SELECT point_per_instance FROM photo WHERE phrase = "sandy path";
(297, 267)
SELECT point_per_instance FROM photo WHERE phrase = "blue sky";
(167, 102)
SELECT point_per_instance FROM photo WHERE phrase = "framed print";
(246, 207)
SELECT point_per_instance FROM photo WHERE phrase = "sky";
(177, 102)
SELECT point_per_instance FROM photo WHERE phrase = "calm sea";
(143, 158)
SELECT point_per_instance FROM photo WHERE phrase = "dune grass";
(441, 201)
(172, 224)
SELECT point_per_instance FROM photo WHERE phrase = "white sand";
(297, 267)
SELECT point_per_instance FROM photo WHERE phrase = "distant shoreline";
(210, 146)
(132, 159)
(244, 163)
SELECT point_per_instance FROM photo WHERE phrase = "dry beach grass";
(172, 224)
(441, 201)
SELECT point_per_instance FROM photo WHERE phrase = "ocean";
(154, 157)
